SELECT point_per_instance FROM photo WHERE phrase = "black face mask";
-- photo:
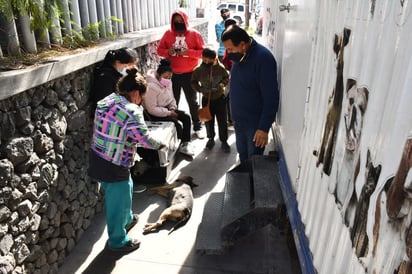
(235, 56)
(179, 27)
(225, 17)
(206, 64)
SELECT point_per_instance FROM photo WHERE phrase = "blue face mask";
(123, 72)
(235, 56)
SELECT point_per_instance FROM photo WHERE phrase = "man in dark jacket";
(254, 91)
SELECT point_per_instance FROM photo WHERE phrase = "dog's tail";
(181, 222)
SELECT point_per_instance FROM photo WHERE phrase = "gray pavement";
(269, 250)
(266, 251)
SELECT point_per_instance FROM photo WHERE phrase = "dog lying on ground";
(180, 207)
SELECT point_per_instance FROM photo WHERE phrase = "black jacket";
(104, 83)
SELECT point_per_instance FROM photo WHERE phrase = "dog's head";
(186, 180)
(357, 103)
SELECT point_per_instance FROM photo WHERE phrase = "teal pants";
(118, 203)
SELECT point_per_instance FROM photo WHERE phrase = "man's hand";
(260, 138)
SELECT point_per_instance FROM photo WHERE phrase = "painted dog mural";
(354, 112)
(393, 206)
(327, 148)
(359, 237)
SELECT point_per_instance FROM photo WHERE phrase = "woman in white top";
(160, 103)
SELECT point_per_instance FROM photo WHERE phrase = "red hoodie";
(191, 39)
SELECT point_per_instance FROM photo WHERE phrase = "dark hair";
(236, 34)
(165, 65)
(123, 55)
(229, 22)
(209, 53)
(224, 10)
(131, 82)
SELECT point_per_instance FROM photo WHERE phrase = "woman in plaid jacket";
(118, 128)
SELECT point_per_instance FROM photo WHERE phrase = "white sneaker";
(139, 188)
(199, 134)
(186, 149)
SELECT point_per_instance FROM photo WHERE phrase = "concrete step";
(266, 178)
(208, 239)
(252, 199)
(237, 204)
(237, 197)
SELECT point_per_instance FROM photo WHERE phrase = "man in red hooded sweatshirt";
(183, 47)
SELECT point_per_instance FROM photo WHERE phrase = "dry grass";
(43, 56)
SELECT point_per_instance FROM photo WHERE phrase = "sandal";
(131, 245)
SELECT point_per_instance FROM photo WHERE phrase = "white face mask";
(165, 82)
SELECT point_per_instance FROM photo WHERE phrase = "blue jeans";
(244, 142)
(118, 203)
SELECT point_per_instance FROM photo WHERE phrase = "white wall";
(377, 59)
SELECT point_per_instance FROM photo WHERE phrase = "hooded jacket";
(118, 128)
(191, 40)
(158, 100)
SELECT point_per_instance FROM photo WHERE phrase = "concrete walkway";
(266, 251)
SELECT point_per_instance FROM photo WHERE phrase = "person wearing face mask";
(160, 103)
(210, 78)
(254, 94)
(118, 128)
(219, 28)
(114, 66)
(183, 47)
(228, 65)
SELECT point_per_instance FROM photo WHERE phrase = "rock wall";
(47, 200)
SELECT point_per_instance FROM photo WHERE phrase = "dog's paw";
(149, 227)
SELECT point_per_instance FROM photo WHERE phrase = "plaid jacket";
(119, 127)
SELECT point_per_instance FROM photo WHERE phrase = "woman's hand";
(163, 148)
(173, 113)
(172, 52)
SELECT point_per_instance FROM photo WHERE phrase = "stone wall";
(46, 197)
(47, 200)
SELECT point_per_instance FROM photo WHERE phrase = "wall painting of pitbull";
(354, 112)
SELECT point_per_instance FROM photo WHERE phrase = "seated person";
(160, 103)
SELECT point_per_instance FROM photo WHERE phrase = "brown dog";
(180, 203)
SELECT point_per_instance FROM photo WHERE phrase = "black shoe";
(131, 245)
(225, 147)
(210, 144)
(133, 222)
